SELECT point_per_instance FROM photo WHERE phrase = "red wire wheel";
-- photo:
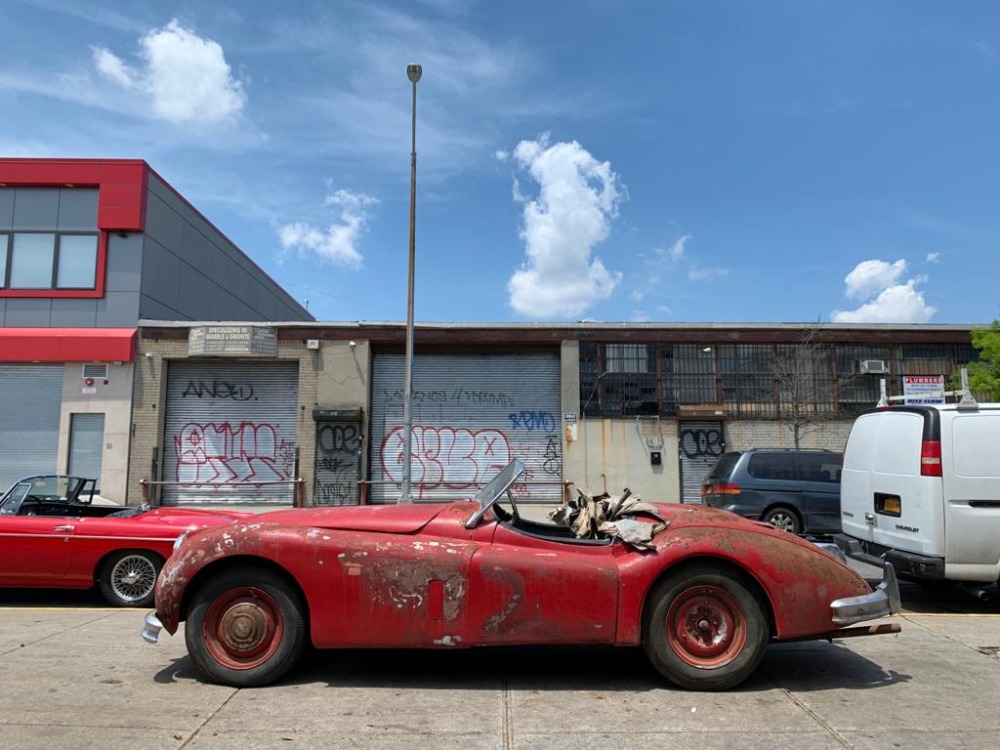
(243, 628)
(705, 627)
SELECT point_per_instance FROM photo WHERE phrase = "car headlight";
(179, 540)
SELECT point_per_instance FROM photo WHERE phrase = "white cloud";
(706, 273)
(871, 276)
(933, 258)
(337, 244)
(184, 77)
(676, 251)
(577, 200)
(885, 298)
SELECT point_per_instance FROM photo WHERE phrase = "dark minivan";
(793, 490)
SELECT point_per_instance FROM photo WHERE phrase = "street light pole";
(413, 72)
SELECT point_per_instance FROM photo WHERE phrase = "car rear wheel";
(784, 519)
(245, 627)
(128, 578)
(705, 628)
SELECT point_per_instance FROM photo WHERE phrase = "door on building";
(30, 401)
(338, 457)
(86, 443)
(230, 433)
(471, 415)
(700, 445)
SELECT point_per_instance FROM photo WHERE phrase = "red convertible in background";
(53, 535)
(703, 593)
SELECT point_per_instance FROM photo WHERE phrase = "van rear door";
(856, 477)
(907, 507)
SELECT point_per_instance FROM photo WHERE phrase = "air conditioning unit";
(95, 371)
(873, 367)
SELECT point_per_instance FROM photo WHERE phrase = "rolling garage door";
(471, 415)
(700, 444)
(230, 433)
(30, 400)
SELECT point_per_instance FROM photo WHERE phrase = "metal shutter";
(700, 445)
(471, 415)
(230, 433)
(86, 443)
(30, 401)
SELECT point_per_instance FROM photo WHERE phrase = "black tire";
(705, 628)
(783, 519)
(245, 627)
(128, 578)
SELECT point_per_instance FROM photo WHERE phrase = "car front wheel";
(705, 628)
(128, 578)
(245, 627)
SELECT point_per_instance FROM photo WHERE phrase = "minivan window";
(725, 466)
(819, 467)
(772, 466)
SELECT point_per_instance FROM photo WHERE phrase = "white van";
(921, 488)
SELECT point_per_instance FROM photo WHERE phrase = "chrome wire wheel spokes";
(133, 577)
(705, 627)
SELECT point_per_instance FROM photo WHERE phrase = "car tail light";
(930, 458)
(720, 489)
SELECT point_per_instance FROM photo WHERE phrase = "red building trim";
(121, 203)
(67, 344)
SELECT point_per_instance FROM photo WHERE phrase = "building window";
(48, 260)
(77, 266)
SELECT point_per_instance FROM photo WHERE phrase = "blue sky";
(614, 160)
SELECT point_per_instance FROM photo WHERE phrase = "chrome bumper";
(884, 600)
(151, 631)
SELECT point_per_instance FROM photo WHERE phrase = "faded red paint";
(413, 575)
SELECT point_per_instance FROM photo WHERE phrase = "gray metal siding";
(471, 415)
(229, 428)
(700, 444)
(193, 269)
(30, 400)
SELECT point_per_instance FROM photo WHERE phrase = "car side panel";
(35, 550)
(529, 590)
(799, 580)
(383, 590)
(820, 505)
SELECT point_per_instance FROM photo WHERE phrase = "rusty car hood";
(387, 519)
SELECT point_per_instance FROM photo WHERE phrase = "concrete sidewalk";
(80, 677)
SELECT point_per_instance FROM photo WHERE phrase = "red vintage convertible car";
(53, 535)
(704, 597)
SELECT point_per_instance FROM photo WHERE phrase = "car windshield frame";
(11, 502)
(493, 489)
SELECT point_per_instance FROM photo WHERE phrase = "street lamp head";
(413, 72)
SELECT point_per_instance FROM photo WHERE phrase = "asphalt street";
(75, 674)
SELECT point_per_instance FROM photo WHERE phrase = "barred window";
(764, 381)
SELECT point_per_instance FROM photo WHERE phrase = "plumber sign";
(923, 389)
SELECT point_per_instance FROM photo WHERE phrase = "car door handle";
(65, 528)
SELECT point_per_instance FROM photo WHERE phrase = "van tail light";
(930, 458)
(720, 489)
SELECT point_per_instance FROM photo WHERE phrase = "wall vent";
(95, 370)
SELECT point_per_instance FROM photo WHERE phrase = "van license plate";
(889, 505)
